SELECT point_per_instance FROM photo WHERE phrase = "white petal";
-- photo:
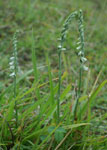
(59, 46)
(80, 53)
(79, 47)
(11, 63)
(85, 68)
(11, 58)
(78, 43)
(63, 49)
(83, 59)
(81, 26)
(11, 67)
(12, 74)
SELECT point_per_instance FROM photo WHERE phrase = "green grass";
(44, 107)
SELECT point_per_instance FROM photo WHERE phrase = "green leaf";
(60, 129)
(59, 136)
(92, 97)
(50, 129)
(43, 137)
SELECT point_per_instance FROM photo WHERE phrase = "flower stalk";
(80, 48)
(14, 68)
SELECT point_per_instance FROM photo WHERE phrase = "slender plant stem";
(59, 89)
(78, 93)
(80, 81)
(15, 74)
(16, 110)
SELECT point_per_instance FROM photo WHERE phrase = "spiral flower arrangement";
(80, 47)
(14, 69)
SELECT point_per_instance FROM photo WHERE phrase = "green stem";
(80, 80)
(16, 110)
(78, 94)
(59, 89)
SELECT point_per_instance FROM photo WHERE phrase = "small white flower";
(81, 26)
(79, 47)
(83, 59)
(12, 74)
(59, 46)
(11, 67)
(85, 68)
(38, 106)
(63, 49)
(11, 58)
(11, 63)
(80, 53)
(15, 45)
(78, 43)
(15, 41)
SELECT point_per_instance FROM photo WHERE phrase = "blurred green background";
(46, 17)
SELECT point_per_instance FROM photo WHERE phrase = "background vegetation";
(37, 87)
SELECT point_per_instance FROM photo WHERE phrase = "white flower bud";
(81, 26)
(11, 58)
(12, 74)
(85, 68)
(63, 49)
(78, 43)
(59, 46)
(11, 63)
(11, 67)
(83, 59)
(79, 47)
(80, 53)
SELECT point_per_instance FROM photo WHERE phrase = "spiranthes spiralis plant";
(79, 16)
(14, 69)
(82, 58)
